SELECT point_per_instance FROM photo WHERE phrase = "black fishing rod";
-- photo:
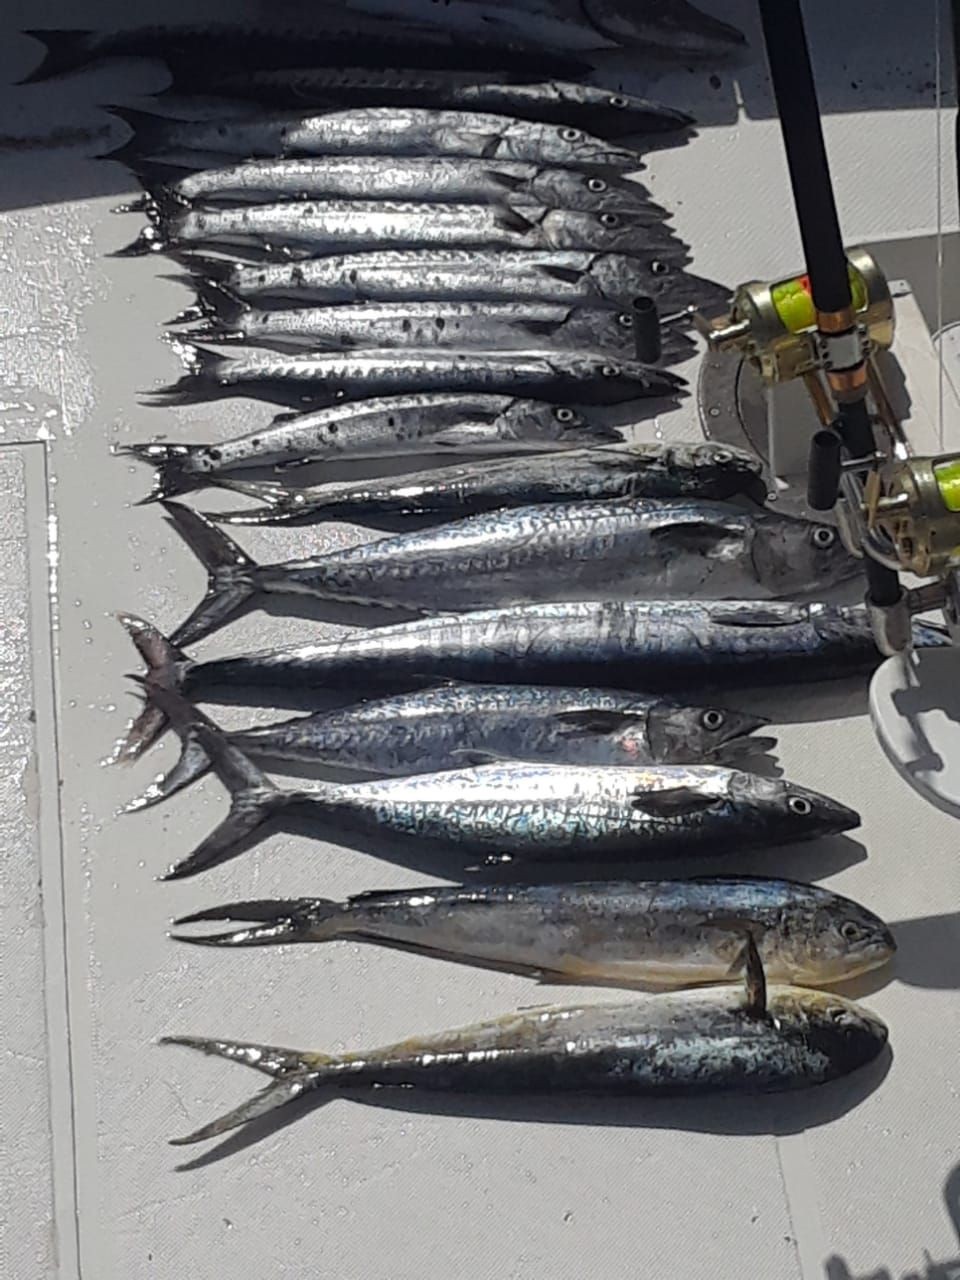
(838, 331)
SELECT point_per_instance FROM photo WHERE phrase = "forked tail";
(294, 1073)
(175, 473)
(279, 920)
(231, 573)
(166, 667)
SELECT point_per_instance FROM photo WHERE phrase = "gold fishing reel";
(916, 503)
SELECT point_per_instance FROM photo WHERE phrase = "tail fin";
(194, 763)
(280, 504)
(294, 1072)
(63, 52)
(150, 240)
(283, 920)
(166, 667)
(254, 800)
(150, 133)
(214, 299)
(201, 380)
(172, 461)
(231, 573)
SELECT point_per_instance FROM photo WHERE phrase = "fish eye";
(658, 268)
(596, 184)
(850, 931)
(609, 371)
(837, 1013)
(563, 415)
(571, 135)
(712, 720)
(723, 456)
(823, 536)
(625, 319)
(800, 805)
(617, 100)
(610, 219)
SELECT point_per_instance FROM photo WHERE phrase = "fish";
(507, 810)
(382, 427)
(661, 645)
(429, 730)
(310, 230)
(657, 934)
(370, 131)
(321, 379)
(652, 470)
(422, 179)
(194, 52)
(392, 275)
(621, 549)
(608, 113)
(501, 326)
(703, 1042)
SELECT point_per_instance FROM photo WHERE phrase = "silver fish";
(435, 729)
(615, 471)
(660, 645)
(708, 1041)
(334, 37)
(622, 549)
(608, 113)
(543, 812)
(395, 275)
(661, 933)
(310, 230)
(384, 427)
(425, 179)
(372, 131)
(487, 326)
(321, 379)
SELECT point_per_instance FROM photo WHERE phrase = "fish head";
(781, 811)
(731, 471)
(533, 420)
(791, 555)
(612, 380)
(566, 145)
(831, 939)
(841, 1035)
(678, 733)
(614, 113)
(664, 26)
(609, 230)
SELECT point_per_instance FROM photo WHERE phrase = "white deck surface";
(847, 1183)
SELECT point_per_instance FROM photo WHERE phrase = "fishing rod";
(898, 512)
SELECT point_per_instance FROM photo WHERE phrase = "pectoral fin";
(674, 802)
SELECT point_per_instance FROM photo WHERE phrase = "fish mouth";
(742, 744)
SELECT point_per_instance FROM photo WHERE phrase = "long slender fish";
(708, 1041)
(459, 724)
(609, 113)
(615, 471)
(396, 275)
(658, 645)
(384, 427)
(622, 549)
(486, 326)
(511, 809)
(661, 933)
(310, 230)
(320, 379)
(433, 179)
(334, 37)
(371, 131)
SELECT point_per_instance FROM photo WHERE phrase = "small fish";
(310, 230)
(485, 326)
(423, 179)
(397, 275)
(615, 471)
(608, 113)
(661, 933)
(621, 549)
(370, 131)
(455, 725)
(321, 379)
(542, 812)
(703, 1042)
(334, 37)
(384, 427)
(657, 645)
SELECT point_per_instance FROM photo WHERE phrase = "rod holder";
(823, 471)
(646, 329)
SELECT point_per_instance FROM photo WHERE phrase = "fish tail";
(294, 1073)
(150, 240)
(254, 800)
(193, 763)
(150, 133)
(173, 472)
(280, 920)
(166, 667)
(208, 276)
(280, 504)
(63, 52)
(201, 381)
(231, 573)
